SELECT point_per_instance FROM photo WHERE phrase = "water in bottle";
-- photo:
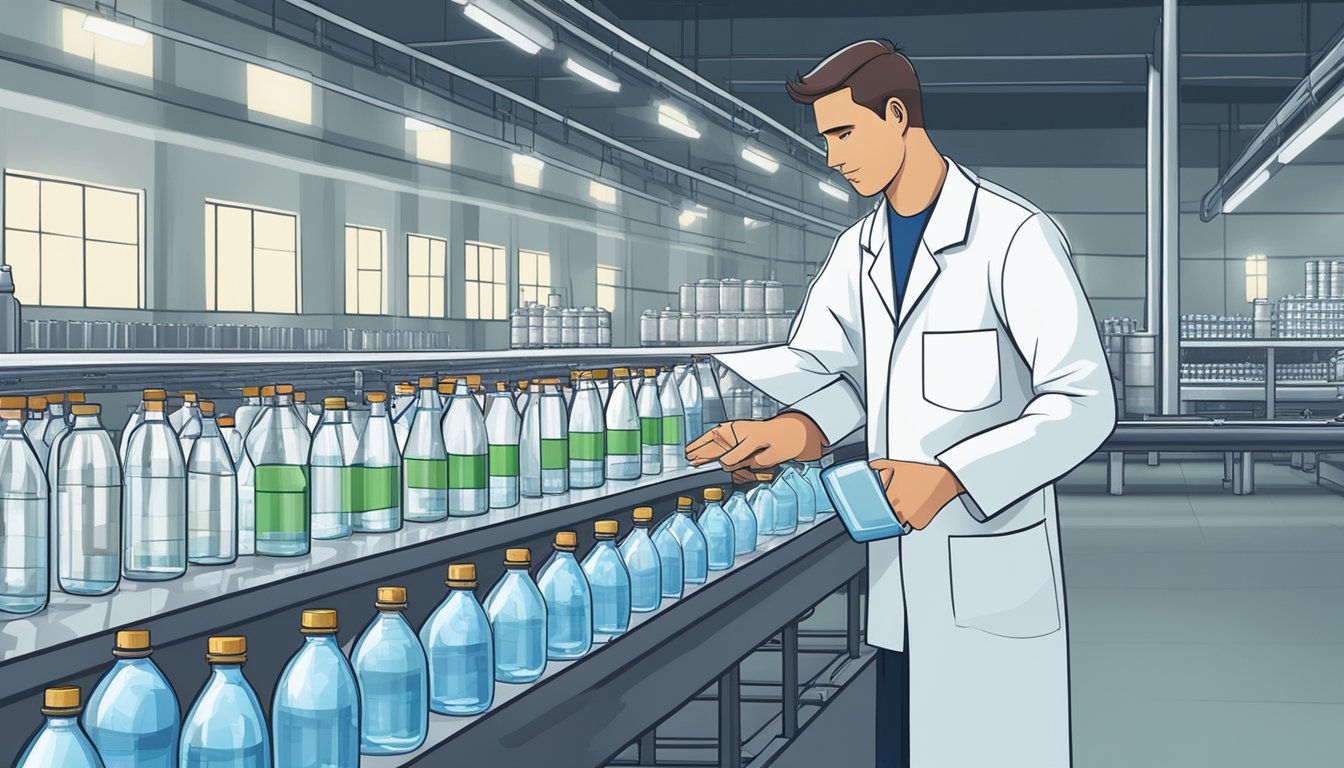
(502, 425)
(813, 475)
(650, 412)
(315, 712)
(569, 601)
(309, 414)
(247, 414)
(460, 648)
(333, 473)
(674, 422)
(468, 447)
(393, 679)
(609, 583)
(278, 447)
(807, 500)
(553, 423)
(762, 504)
(25, 562)
(186, 420)
(425, 479)
(786, 506)
(132, 714)
(403, 413)
(744, 523)
(56, 424)
(521, 398)
(671, 560)
(232, 437)
(212, 495)
(377, 481)
(587, 437)
(622, 423)
(225, 726)
(692, 402)
(35, 425)
(695, 553)
(60, 741)
(88, 509)
(602, 380)
(720, 536)
(517, 614)
(247, 475)
(154, 501)
(529, 449)
(643, 564)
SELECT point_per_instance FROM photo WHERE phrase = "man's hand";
(917, 491)
(744, 447)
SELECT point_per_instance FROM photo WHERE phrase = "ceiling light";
(602, 193)
(677, 121)
(525, 36)
(527, 170)
(413, 124)
(760, 159)
(833, 191)
(1321, 124)
(594, 75)
(691, 215)
(111, 29)
(1239, 197)
(751, 223)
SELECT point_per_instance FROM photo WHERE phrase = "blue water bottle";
(609, 581)
(744, 523)
(671, 559)
(393, 679)
(695, 551)
(315, 712)
(460, 648)
(644, 564)
(720, 538)
(762, 504)
(132, 714)
(517, 614)
(569, 601)
(225, 727)
(60, 741)
(807, 495)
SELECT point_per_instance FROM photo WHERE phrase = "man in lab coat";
(950, 323)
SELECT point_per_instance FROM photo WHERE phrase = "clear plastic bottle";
(602, 380)
(378, 477)
(25, 565)
(246, 415)
(529, 448)
(692, 402)
(88, 509)
(225, 726)
(807, 500)
(403, 412)
(60, 741)
(154, 501)
(587, 437)
(232, 437)
(694, 548)
(720, 536)
(186, 420)
(310, 413)
(671, 559)
(763, 504)
(521, 396)
(468, 447)
(247, 474)
(609, 582)
(315, 710)
(56, 423)
(71, 400)
(744, 523)
(425, 479)
(712, 410)
(569, 601)
(812, 472)
(674, 423)
(278, 448)
(35, 425)
(650, 424)
(553, 423)
(298, 403)
(786, 506)
(212, 496)
(332, 472)
(460, 648)
(502, 425)
(643, 564)
(517, 614)
(132, 714)
(622, 422)
(393, 679)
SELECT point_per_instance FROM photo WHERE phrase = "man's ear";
(896, 111)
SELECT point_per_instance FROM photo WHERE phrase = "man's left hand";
(916, 491)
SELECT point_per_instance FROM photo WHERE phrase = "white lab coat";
(997, 373)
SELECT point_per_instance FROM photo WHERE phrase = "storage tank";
(686, 297)
(774, 297)
(588, 328)
(569, 327)
(706, 329)
(669, 321)
(536, 330)
(730, 295)
(648, 328)
(707, 296)
(753, 297)
(550, 327)
(686, 328)
(603, 328)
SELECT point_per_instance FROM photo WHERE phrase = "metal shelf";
(1285, 392)
(1262, 343)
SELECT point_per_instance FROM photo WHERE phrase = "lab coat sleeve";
(1073, 411)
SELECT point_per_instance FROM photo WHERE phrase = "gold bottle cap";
(251, 391)
(391, 598)
(333, 403)
(227, 649)
(284, 389)
(650, 373)
(520, 556)
(643, 514)
(713, 494)
(764, 477)
(154, 394)
(37, 403)
(319, 621)
(300, 397)
(75, 397)
(575, 376)
(132, 644)
(154, 405)
(405, 389)
(566, 541)
(446, 387)
(522, 386)
(684, 501)
(606, 528)
(188, 397)
(85, 409)
(376, 397)
(426, 382)
(268, 391)
(55, 397)
(207, 408)
(500, 386)
(600, 374)
(226, 421)
(11, 415)
(462, 576)
(474, 380)
(61, 700)
(621, 373)
(13, 403)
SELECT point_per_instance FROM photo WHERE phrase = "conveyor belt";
(1215, 435)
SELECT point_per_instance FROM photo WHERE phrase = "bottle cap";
(251, 391)
(12, 403)
(391, 598)
(521, 556)
(606, 528)
(318, 621)
(61, 700)
(75, 397)
(55, 397)
(684, 501)
(621, 373)
(226, 649)
(713, 494)
(566, 541)
(284, 389)
(426, 382)
(446, 387)
(226, 421)
(132, 644)
(474, 380)
(188, 396)
(643, 514)
(207, 408)
(650, 373)
(376, 397)
(268, 391)
(575, 376)
(522, 386)
(333, 403)
(500, 386)
(600, 374)
(37, 403)
(764, 477)
(87, 409)
(300, 397)
(405, 389)
(153, 394)
(462, 576)
(11, 415)
(154, 405)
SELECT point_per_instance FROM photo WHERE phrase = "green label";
(671, 430)
(467, 470)
(623, 442)
(554, 454)
(427, 474)
(503, 461)
(365, 489)
(282, 498)
(587, 446)
(651, 430)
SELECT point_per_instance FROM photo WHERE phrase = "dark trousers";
(893, 709)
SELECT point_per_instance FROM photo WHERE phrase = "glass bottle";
(186, 420)
(278, 448)
(24, 535)
(225, 727)
(609, 582)
(403, 413)
(132, 714)
(60, 741)
(569, 601)
(688, 383)
(315, 710)
(744, 523)
(553, 423)
(232, 438)
(35, 425)
(643, 563)
(378, 477)
(602, 380)
(247, 475)
(393, 679)
(674, 422)
(333, 473)
(786, 506)
(807, 500)
(529, 447)
(425, 480)
(460, 648)
(154, 501)
(622, 423)
(309, 413)
(712, 410)
(720, 537)
(812, 473)
(587, 437)
(501, 427)
(517, 614)
(56, 423)
(71, 400)
(762, 504)
(212, 496)
(245, 415)
(468, 448)
(88, 509)
(650, 424)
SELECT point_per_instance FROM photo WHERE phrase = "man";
(951, 324)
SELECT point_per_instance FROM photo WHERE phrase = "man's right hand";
(744, 447)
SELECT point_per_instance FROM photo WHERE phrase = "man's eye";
(844, 135)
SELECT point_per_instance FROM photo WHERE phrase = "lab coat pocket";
(961, 369)
(1004, 583)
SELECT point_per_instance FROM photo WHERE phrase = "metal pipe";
(789, 680)
(1154, 220)
(730, 718)
(1170, 349)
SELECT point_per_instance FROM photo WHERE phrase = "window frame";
(616, 287)
(212, 256)
(357, 270)
(429, 276)
(498, 284)
(539, 290)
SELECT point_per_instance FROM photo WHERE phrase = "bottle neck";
(153, 416)
(377, 409)
(231, 672)
(11, 428)
(284, 401)
(87, 422)
(427, 398)
(209, 427)
(336, 417)
(62, 721)
(56, 409)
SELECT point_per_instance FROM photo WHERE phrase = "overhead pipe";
(1153, 174)
(1169, 339)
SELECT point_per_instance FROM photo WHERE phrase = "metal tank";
(550, 327)
(686, 328)
(603, 328)
(669, 321)
(707, 296)
(588, 327)
(753, 297)
(706, 329)
(536, 326)
(730, 295)
(686, 297)
(518, 328)
(648, 328)
(1140, 377)
(725, 329)
(774, 297)
(777, 328)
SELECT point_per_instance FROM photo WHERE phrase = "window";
(1257, 278)
(426, 258)
(279, 94)
(609, 281)
(73, 244)
(534, 276)
(365, 271)
(107, 43)
(251, 259)
(486, 282)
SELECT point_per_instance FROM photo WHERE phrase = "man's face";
(866, 149)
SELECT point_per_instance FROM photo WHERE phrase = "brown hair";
(875, 71)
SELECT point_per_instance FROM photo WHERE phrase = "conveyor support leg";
(1228, 472)
(1295, 460)
(730, 718)
(1243, 474)
(1154, 458)
(648, 748)
(789, 680)
(1309, 461)
(853, 615)
(1115, 473)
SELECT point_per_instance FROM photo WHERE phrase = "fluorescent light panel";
(833, 191)
(111, 29)
(751, 223)
(693, 214)
(1320, 125)
(527, 170)
(1247, 189)
(279, 94)
(602, 193)
(592, 74)
(523, 34)
(760, 159)
(675, 120)
(413, 124)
